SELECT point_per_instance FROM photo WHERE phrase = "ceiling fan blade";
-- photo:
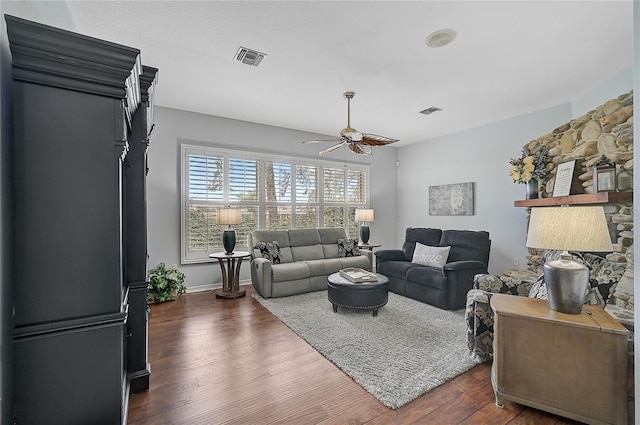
(374, 140)
(335, 139)
(360, 149)
(331, 149)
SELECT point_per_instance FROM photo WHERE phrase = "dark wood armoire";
(82, 113)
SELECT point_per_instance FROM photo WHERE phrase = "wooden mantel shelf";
(586, 198)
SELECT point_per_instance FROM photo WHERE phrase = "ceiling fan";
(358, 143)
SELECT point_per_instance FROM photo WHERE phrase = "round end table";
(230, 267)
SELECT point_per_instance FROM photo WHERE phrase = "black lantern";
(604, 175)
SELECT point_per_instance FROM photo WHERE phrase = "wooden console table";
(573, 365)
(230, 267)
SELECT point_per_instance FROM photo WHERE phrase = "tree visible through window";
(274, 192)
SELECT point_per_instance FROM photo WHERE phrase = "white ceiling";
(509, 58)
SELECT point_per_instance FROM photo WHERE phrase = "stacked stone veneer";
(607, 130)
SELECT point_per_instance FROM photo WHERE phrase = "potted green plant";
(165, 284)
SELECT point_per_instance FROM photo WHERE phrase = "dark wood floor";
(218, 361)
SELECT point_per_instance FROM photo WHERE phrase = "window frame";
(199, 256)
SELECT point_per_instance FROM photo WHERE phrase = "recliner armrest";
(465, 265)
(389, 255)
(261, 276)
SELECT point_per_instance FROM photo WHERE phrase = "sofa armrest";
(261, 276)
(465, 265)
(460, 276)
(389, 255)
(502, 285)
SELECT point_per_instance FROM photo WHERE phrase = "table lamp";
(364, 216)
(568, 229)
(229, 216)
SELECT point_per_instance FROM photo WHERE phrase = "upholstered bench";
(366, 295)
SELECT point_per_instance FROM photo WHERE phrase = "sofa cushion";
(425, 236)
(361, 261)
(305, 244)
(302, 237)
(429, 277)
(307, 252)
(280, 236)
(348, 247)
(395, 268)
(324, 267)
(433, 256)
(329, 238)
(467, 245)
(290, 271)
(270, 251)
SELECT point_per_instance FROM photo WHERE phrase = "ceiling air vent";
(248, 56)
(430, 110)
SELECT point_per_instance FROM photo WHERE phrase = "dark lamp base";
(364, 234)
(229, 240)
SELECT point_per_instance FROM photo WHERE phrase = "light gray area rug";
(408, 350)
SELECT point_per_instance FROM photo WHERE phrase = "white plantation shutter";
(334, 184)
(205, 177)
(282, 181)
(243, 180)
(273, 192)
(306, 184)
(356, 186)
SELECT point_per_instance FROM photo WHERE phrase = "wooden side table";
(573, 365)
(230, 267)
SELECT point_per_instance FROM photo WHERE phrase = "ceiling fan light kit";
(440, 38)
(358, 143)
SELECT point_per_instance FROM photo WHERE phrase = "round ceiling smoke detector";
(440, 38)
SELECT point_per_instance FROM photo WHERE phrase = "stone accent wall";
(606, 130)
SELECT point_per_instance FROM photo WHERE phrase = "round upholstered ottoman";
(367, 295)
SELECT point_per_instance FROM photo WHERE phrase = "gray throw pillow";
(434, 256)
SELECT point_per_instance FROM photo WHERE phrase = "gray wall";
(482, 155)
(174, 127)
(591, 99)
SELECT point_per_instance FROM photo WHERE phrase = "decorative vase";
(532, 189)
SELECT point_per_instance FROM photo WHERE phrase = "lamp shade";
(229, 216)
(364, 215)
(569, 229)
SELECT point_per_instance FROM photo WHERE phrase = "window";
(274, 192)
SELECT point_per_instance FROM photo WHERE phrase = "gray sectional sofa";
(303, 261)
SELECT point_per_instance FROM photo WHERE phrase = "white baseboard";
(212, 286)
